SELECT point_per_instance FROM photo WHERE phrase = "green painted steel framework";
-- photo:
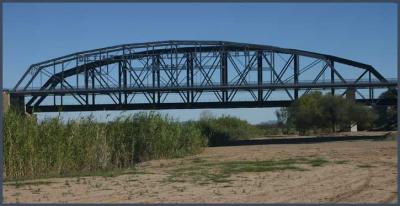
(189, 74)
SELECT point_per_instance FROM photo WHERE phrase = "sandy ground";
(362, 171)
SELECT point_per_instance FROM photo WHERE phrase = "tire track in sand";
(346, 195)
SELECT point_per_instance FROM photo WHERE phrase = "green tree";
(306, 112)
(315, 111)
(334, 112)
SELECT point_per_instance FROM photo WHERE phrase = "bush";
(272, 128)
(220, 131)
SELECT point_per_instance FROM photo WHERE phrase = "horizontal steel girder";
(339, 85)
(197, 105)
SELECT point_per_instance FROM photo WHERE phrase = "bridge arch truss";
(190, 74)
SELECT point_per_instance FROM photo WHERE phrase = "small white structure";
(353, 127)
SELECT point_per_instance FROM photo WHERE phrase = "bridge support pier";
(13, 101)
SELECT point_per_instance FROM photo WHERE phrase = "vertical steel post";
(332, 77)
(77, 74)
(272, 57)
(119, 82)
(54, 72)
(153, 77)
(62, 81)
(125, 79)
(189, 76)
(372, 93)
(224, 74)
(86, 82)
(192, 76)
(93, 87)
(62, 75)
(158, 78)
(259, 75)
(371, 90)
(296, 75)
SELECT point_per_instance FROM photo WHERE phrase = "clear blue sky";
(359, 31)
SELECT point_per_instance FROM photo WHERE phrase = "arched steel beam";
(228, 47)
(192, 46)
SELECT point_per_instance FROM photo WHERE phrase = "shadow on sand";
(302, 140)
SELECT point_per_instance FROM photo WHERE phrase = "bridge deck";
(197, 105)
(150, 89)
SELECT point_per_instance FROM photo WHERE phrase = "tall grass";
(53, 147)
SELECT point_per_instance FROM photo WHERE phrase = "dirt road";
(362, 171)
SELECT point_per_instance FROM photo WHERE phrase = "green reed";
(52, 147)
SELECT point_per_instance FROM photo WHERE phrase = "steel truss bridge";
(190, 74)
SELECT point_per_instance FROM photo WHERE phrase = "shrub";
(219, 131)
(272, 128)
